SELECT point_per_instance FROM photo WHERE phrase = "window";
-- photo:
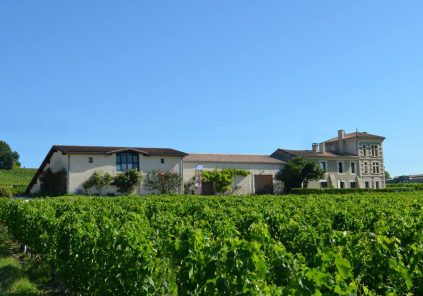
(367, 184)
(126, 162)
(364, 150)
(341, 184)
(374, 150)
(161, 160)
(323, 184)
(352, 167)
(366, 167)
(340, 167)
(90, 160)
(377, 184)
(353, 184)
(375, 167)
(323, 165)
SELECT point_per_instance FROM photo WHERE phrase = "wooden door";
(207, 188)
(263, 184)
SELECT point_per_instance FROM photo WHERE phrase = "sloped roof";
(311, 153)
(110, 150)
(234, 158)
(362, 135)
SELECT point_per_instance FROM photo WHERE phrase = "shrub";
(53, 184)
(223, 179)
(5, 191)
(165, 182)
(99, 180)
(126, 182)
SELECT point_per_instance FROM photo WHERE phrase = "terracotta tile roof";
(362, 135)
(310, 153)
(235, 158)
(110, 150)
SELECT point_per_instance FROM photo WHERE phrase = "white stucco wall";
(242, 185)
(58, 161)
(80, 169)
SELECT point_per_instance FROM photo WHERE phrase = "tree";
(99, 180)
(164, 182)
(387, 175)
(223, 179)
(126, 182)
(8, 158)
(298, 172)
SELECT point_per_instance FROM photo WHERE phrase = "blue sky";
(211, 76)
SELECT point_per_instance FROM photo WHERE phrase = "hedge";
(302, 191)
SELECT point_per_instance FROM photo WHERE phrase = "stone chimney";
(341, 135)
(322, 147)
(314, 147)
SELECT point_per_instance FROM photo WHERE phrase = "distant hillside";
(17, 178)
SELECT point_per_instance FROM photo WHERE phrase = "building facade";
(353, 160)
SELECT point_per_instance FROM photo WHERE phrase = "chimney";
(341, 135)
(314, 147)
(322, 147)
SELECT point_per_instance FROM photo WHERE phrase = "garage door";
(263, 184)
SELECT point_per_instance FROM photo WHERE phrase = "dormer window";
(127, 161)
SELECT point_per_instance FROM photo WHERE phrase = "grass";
(21, 274)
(18, 179)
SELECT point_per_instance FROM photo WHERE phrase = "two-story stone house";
(353, 160)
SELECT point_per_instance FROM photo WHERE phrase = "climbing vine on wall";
(223, 179)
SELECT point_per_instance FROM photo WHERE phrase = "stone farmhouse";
(353, 160)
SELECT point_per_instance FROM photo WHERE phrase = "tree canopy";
(8, 158)
(298, 172)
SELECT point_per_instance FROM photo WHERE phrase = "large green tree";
(8, 158)
(298, 172)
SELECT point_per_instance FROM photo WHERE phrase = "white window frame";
(374, 150)
(339, 184)
(364, 148)
(323, 181)
(375, 167)
(366, 167)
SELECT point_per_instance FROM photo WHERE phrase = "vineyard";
(366, 244)
(18, 179)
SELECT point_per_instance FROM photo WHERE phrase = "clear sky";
(211, 76)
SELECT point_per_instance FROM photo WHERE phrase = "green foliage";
(8, 158)
(6, 191)
(223, 179)
(18, 179)
(298, 172)
(354, 244)
(415, 186)
(305, 191)
(98, 180)
(53, 184)
(165, 182)
(126, 182)
(387, 175)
